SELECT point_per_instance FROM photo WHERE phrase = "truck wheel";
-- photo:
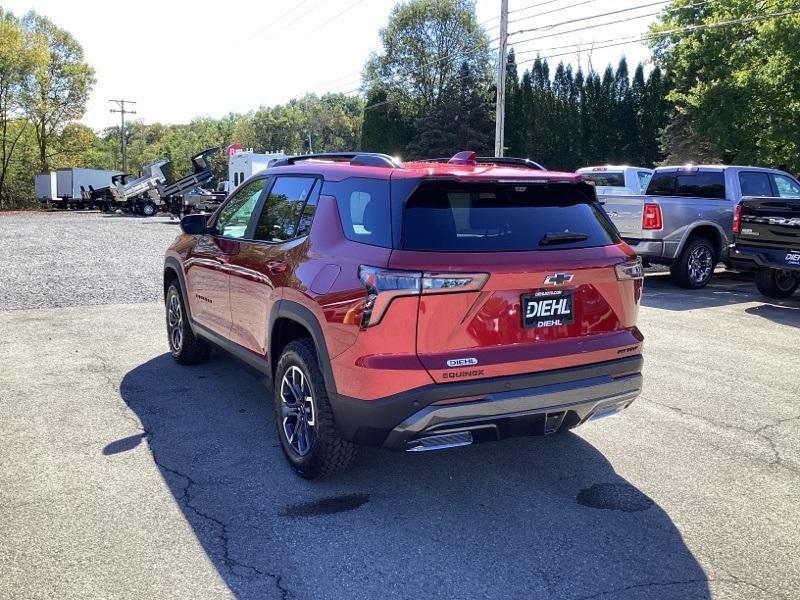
(149, 209)
(774, 283)
(307, 430)
(695, 266)
(186, 348)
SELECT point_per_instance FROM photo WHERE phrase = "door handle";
(277, 266)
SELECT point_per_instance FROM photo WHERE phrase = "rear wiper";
(562, 237)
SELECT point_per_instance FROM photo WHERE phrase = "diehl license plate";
(547, 308)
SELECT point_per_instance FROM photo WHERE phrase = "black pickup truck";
(766, 239)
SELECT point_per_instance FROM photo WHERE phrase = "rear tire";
(306, 426)
(184, 346)
(695, 266)
(149, 209)
(773, 283)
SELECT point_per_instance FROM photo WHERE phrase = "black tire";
(149, 209)
(774, 283)
(325, 452)
(184, 346)
(695, 266)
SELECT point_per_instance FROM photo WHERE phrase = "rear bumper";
(531, 404)
(746, 257)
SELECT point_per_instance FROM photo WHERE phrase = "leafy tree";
(423, 45)
(385, 128)
(59, 87)
(736, 88)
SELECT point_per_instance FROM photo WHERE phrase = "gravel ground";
(57, 259)
(125, 475)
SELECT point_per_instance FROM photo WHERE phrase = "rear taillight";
(384, 285)
(737, 218)
(651, 216)
(630, 269)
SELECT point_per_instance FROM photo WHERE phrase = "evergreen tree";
(385, 129)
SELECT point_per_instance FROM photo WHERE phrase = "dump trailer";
(172, 193)
(139, 192)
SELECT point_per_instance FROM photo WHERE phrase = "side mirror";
(194, 224)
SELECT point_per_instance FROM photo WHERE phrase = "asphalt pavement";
(124, 475)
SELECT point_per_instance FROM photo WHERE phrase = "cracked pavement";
(124, 475)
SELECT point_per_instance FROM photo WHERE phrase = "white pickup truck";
(617, 180)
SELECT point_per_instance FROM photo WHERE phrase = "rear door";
(542, 289)
(268, 256)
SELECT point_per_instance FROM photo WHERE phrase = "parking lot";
(124, 475)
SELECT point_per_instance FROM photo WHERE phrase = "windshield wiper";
(563, 237)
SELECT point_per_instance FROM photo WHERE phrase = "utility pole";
(123, 143)
(502, 60)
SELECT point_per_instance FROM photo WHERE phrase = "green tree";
(58, 87)
(385, 128)
(736, 88)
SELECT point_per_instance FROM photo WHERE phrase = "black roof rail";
(369, 159)
(508, 161)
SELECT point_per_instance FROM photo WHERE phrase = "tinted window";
(755, 184)
(307, 215)
(363, 209)
(282, 208)
(786, 186)
(606, 178)
(502, 218)
(698, 184)
(235, 215)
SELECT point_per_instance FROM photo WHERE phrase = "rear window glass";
(363, 209)
(755, 184)
(503, 218)
(606, 178)
(697, 184)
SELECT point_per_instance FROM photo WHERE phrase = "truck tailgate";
(626, 213)
(770, 222)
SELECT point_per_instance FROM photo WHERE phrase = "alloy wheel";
(701, 264)
(175, 323)
(297, 411)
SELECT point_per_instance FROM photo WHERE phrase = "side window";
(363, 209)
(755, 184)
(787, 187)
(235, 215)
(281, 212)
(307, 216)
(644, 179)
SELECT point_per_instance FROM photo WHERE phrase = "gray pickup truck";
(685, 218)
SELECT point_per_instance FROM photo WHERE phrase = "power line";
(548, 12)
(597, 16)
(684, 29)
(292, 22)
(336, 16)
(276, 21)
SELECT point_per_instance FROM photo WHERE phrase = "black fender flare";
(293, 311)
(173, 264)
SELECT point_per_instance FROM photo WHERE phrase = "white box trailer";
(44, 185)
(244, 163)
(69, 182)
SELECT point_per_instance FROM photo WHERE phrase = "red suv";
(412, 306)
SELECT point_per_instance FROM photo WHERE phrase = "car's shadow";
(726, 288)
(526, 518)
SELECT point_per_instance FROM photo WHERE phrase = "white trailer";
(70, 182)
(244, 163)
(44, 185)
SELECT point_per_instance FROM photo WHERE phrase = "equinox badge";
(558, 278)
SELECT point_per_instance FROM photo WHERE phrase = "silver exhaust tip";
(441, 441)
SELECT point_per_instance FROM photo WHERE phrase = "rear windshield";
(606, 178)
(697, 184)
(468, 218)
